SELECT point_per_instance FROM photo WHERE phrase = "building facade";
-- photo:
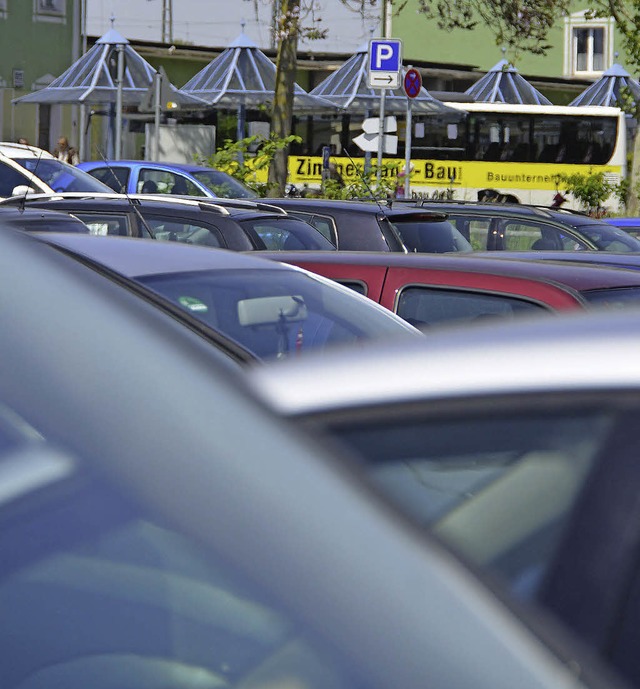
(39, 39)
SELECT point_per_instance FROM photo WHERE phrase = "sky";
(215, 23)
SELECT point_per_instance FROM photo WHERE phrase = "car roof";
(106, 201)
(612, 259)
(14, 150)
(133, 257)
(565, 216)
(573, 275)
(623, 222)
(327, 205)
(582, 350)
(184, 167)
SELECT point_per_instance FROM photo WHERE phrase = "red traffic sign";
(412, 83)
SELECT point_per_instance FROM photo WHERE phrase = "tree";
(288, 27)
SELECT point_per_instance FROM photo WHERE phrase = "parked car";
(27, 169)
(271, 309)
(630, 261)
(235, 225)
(367, 226)
(429, 290)
(39, 220)
(517, 227)
(629, 225)
(516, 444)
(159, 528)
(146, 177)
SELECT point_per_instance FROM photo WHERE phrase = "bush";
(591, 191)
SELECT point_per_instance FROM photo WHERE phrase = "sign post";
(385, 63)
(412, 87)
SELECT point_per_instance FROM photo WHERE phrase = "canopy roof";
(348, 87)
(503, 84)
(243, 75)
(607, 90)
(92, 78)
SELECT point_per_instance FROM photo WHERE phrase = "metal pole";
(407, 152)
(118, 124)
(240, 125)
(82, 146)
(380, 136)
(157, 109)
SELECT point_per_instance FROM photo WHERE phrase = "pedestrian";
(65, 153)
(24, 141)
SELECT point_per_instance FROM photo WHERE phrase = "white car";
(25, 169)
(516, 444)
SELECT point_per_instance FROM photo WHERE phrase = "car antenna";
(366, 184)
(123, 190)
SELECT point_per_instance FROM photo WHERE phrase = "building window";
(588, 45)
(589, 49)
(49, 10)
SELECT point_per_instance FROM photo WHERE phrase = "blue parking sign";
(385, 55)
(385, 62)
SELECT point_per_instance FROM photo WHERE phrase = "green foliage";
(364, 187)
(591, 191)
(245, 158)
(521, 25)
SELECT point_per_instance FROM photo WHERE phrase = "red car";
(429, 289)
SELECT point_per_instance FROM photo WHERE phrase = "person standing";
(65, 152)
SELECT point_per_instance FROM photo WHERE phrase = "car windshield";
(224, 185)
(431, 236)
(277, 313)
(609, 238)
(62, 177)
(288, 234)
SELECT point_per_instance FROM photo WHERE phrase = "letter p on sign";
(383, 54)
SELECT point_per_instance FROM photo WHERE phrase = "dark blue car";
(145, 177)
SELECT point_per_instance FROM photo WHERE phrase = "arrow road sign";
(369, 140)
(385, 63)
(371, 125)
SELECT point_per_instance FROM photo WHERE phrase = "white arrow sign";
(372, 124)
(369, 142)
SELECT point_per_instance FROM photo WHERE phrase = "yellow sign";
(445, 173)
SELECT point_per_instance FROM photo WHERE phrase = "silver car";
(517, 445)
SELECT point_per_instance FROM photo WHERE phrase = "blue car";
(145, 177)
(630, 225)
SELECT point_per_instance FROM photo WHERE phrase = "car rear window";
(431, 236)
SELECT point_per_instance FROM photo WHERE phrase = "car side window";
(474, 229)
(500, 488)
(115, 177)
(324, 224)
(105, 223)
(10, 179)
(355, 285)
(152, 181)
(427, 306)
(185, 231)
(520, 235)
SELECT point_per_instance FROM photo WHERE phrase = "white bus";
(517, 150)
